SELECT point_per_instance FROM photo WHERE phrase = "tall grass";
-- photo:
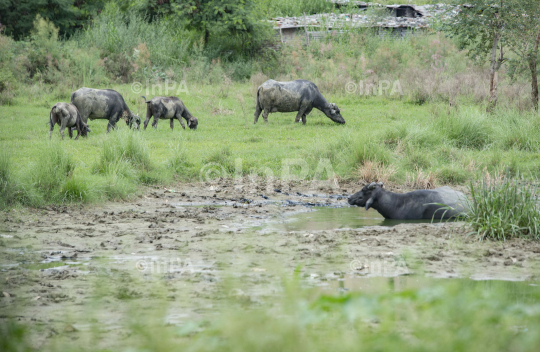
(52, 169)
(123, 154)
(503, 210)
(11, 191)
(166, 42)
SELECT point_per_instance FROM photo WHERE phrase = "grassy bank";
(388, 140)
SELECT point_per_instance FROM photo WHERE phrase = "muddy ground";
(192, 245)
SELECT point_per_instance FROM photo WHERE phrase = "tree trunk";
(534, 79)
(493, 75)
(206, 36)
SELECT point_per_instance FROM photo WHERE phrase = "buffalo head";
(84, 129)
(366, 196)
(134, 122)
(192, 123)
(334, 114)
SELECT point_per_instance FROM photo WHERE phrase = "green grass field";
(384, 139)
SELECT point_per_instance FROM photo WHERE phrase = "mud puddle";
(183, 249)
(343, 217)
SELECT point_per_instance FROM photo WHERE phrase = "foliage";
(222, 19)
(68, 15)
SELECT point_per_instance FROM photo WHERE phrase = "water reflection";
(323, 218)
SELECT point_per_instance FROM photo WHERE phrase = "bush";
(506, 209)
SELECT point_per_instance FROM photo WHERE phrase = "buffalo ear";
(368, 203)
(332, 111)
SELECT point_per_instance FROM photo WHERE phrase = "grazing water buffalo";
(416, 205)
(299, 95)
(103, 104)
(168, 108)
(67, 115)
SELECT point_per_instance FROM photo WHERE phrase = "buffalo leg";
(258, 111)
(112, 122)
(154, 124)
(172, 124)
(265, 115)
(70, 132)
(52, 128)
(62, 128)
(148, 116)
(299, 115)
(179, 117)
(305, 115)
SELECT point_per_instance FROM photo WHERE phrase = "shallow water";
(324, 218)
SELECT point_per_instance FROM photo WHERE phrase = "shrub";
(507, 209)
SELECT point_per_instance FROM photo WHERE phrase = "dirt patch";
(183, 245)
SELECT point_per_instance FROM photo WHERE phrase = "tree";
(523, 33)
(231, 17)
(479, 27)
(17, 16)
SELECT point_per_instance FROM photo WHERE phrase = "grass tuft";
(123, 154)
(54, 166)
(466, 130)
(505, 209)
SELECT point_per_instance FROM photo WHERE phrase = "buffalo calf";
(168, 108)
(67, 115)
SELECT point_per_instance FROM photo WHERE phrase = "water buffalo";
(299, 95)
(415, 205)
(67, 115)
(169, 108)
(103, 104)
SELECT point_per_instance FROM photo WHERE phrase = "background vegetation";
(435, 133)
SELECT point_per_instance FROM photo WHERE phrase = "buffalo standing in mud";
(104, 104)
(299, 95)
(439, 203)
(67, 115)
(168, 108)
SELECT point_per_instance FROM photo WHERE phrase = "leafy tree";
(17, 16)
(228, 18)
(479, 27)
(523, 33)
